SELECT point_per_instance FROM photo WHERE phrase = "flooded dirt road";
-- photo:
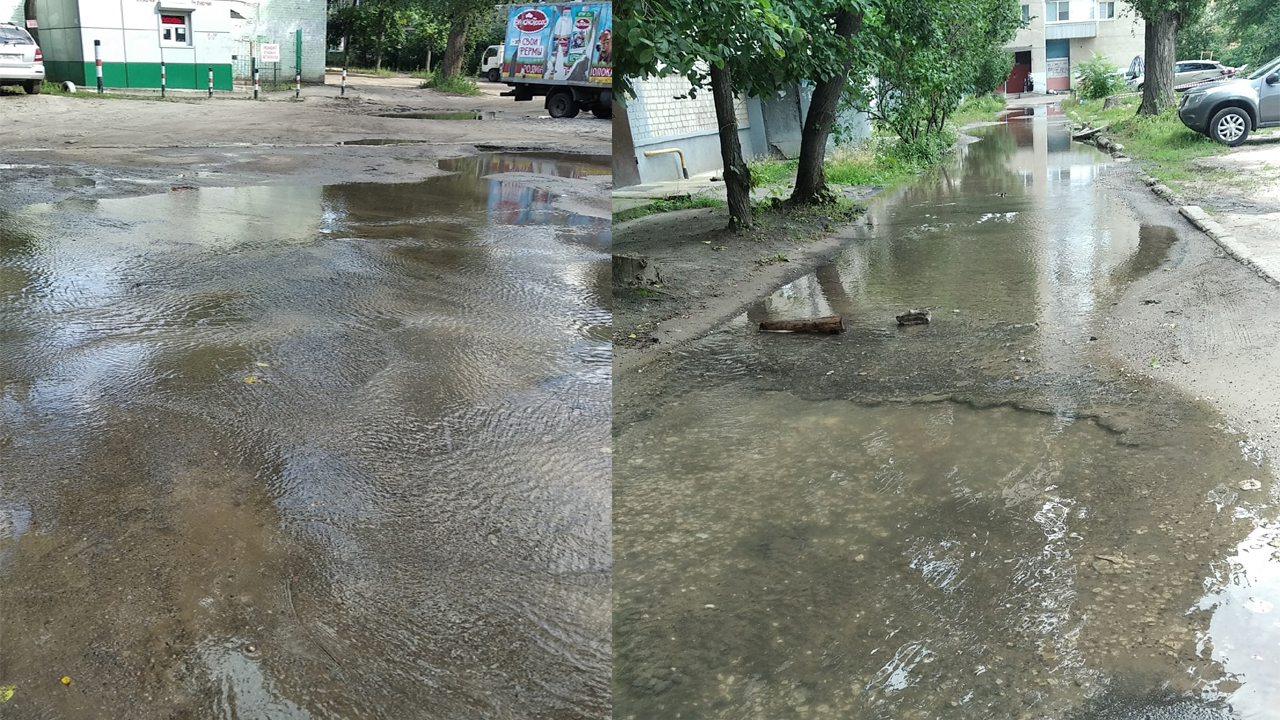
(309, 452)
(990, 516)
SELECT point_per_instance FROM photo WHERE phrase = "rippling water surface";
(309, 452)
(983, 517)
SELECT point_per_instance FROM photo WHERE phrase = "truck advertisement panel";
(561, 44)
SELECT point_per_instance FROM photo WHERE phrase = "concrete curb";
(1225, 240)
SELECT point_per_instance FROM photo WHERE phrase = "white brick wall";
(657, 113)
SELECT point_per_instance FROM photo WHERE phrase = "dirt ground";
(708, 273)
(142, 573)
(138, 146)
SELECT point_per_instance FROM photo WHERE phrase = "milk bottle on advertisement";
(559, 65)
(580, 44)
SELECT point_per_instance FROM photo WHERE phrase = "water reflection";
(361, 427)
(924, 551)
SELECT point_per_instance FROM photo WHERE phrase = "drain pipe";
(683, 168)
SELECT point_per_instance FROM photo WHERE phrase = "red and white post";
(297, 84)
(210, 82)
(97, 61)
(256, 86)
(344, 82)
(162, 79)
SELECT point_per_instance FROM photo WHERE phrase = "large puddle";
(318, 452)
(982, 517)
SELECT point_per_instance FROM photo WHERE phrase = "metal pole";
(97, 60)
(344, 82)
(210, 82)
(162, 79)
(256, 87)
(297, 85)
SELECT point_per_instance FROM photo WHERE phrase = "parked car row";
(21, 62)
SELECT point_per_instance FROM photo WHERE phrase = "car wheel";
(32, 87)
(1230, 126)
(562, 105)
(604, 113)
(494, 75)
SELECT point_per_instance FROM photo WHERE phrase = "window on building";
(1106, 11)
(175, 29)
(1057, 11)
(1026, 13)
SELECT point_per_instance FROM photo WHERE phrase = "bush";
(455, 84)
(1099, 79)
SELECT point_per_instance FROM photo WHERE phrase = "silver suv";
(1227, 111)
(21, 62)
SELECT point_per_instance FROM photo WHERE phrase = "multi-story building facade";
(1062, 33)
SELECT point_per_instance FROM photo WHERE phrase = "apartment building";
(1062, 33)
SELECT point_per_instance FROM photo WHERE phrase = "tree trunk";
(428, 59)
(1161, 44)
(737, 176)
(811, 181)
(29, 13)
(451, 65)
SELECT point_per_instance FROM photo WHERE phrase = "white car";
(1188, 72)
(21, 62)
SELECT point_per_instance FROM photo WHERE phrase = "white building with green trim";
(191, 37)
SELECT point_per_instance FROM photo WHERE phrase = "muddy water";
(308, 452)
(981, 517)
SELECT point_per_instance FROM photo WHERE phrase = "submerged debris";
(915, 317)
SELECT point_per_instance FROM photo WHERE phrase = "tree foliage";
(403, 34)
(924, 56)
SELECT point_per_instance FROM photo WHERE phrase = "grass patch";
(977, 109)
(384, 72)
(454, 84)
(875, 162)
(769, 172)
(1166, 148)
(682, 202)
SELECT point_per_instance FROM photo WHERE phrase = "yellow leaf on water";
(632, 336)
(66, 680)
(251, 379)
(7, 692)
(261, 364)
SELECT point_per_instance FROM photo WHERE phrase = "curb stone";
(1225, 240)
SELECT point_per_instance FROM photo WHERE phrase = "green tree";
(463, 15)
(720, 44)
(1163, 19)
(925, 56)
(1252, 24)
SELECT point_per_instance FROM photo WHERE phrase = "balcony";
(1070, 29)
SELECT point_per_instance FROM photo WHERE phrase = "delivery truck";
(563, 53)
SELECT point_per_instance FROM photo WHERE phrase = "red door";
(1021, 69)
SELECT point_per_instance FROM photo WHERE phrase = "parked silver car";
(1187, 72)
(1228, 111)
(21, 62)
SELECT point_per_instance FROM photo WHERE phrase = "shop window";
(175, 29)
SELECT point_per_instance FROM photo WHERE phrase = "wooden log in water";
(832, 325)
